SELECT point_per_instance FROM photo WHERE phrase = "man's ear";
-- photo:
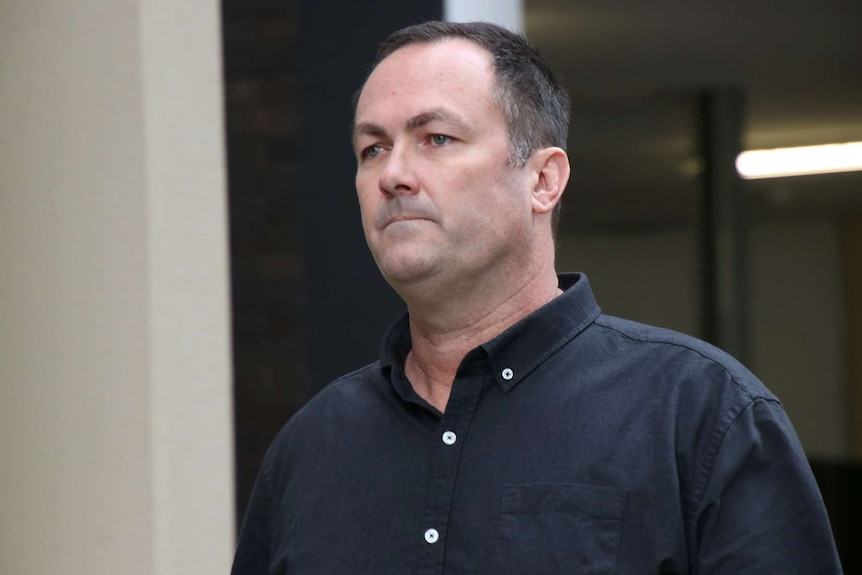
(552, 167)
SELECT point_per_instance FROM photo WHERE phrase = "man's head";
(456, 178)
(534, 104)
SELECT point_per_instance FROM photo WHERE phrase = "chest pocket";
(561, 528)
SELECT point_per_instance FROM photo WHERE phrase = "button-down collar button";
(449, 437)
(431, 536)
(508, 374)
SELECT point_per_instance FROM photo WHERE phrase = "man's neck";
(443, 334)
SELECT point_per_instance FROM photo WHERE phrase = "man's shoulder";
(661, 337)
(690, 357)
(348, 398)
(352, 392)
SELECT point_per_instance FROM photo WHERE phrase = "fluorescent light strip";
(804, 160)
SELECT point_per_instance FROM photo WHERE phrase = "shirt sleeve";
(761, 510)
(254, 546)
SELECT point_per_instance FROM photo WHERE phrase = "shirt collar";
(517, 351)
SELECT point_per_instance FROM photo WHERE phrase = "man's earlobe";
(552, 167)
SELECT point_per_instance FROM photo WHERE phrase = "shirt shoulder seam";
(660, 341)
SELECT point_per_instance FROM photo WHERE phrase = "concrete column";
(115, 379)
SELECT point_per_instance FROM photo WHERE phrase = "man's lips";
(404, 218)
(401, 210)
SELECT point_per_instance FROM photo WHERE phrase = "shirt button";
(449, 437)
(431, 536)
(508, 374)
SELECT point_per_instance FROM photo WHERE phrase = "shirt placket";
(451, 434)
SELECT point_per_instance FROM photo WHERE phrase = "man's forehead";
(416, 71)
(447, 53)
(449, 46)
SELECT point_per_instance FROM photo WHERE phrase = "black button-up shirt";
(572, 443)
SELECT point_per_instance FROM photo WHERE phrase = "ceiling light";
(800, 161)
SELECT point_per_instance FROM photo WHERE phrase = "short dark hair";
(534, 103)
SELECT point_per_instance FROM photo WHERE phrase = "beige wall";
(651, 278)
(798, 311)
(799, 329)
(115, 419)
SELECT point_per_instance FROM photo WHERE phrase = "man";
(509, 426)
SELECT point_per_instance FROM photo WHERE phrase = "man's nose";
(398, 176)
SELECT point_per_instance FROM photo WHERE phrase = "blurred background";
(182, 264)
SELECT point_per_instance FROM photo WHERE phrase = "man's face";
(437, 196)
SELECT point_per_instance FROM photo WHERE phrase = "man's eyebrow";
(434, 115)
(368, 129)
(412, 124)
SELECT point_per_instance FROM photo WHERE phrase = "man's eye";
(440, 139)
(372, 151)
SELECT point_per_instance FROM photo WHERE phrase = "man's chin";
(407, 271)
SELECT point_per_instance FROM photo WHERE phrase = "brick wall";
(261, 88)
